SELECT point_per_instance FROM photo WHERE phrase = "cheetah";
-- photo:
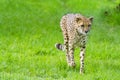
(75, 28)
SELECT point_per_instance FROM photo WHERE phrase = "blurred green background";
(30, 28)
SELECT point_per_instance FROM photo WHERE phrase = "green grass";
(30, 28)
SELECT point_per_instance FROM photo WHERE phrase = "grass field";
(30, 28)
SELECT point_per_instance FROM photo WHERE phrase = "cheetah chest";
(80, 40)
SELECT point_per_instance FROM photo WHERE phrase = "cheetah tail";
(59, 46)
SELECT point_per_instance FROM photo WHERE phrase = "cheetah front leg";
(82, 53)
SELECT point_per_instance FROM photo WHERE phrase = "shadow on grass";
(44, 52)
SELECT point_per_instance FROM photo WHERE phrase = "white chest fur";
(80, 40)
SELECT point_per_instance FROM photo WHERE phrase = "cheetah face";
(83, 25)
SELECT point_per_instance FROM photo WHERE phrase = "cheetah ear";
(91, 19)
(78, 19)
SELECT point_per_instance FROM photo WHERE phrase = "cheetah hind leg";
(64, 48)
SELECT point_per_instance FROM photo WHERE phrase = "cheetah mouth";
(81, 33)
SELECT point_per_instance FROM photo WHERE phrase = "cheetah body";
(68, 27)
(74, 28)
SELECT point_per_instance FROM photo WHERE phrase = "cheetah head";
(83, 24)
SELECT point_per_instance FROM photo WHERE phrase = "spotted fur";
(75, 28)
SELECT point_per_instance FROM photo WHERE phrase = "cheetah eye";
(82, 25)
(89, 25)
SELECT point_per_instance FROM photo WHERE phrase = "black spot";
(82, 61)
(83, 64)
(83, 47)
(58, 45)
(83, 54)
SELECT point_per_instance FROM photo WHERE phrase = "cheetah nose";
(86, 31)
